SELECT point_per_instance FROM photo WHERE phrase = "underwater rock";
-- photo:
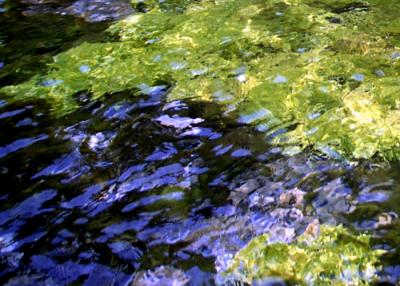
(162, 275)
(248, 187)
(100, 10)
(270, 281)
(171, 195)
(92, 11)
(294, 196)
(249, 60)
(254, 69)
(379, 73)
(313, 229)
(334, 256)
(332, 199)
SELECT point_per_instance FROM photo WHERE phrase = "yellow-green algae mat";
(334, 257)
(327, 71)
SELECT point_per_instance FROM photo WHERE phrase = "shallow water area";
(131, 184)
(137, 187)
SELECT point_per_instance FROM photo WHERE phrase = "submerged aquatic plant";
(335, 257)
(324, 73)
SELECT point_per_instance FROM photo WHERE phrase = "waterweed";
(294, 62)
(334, 257)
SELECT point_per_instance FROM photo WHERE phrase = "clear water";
(130, 183)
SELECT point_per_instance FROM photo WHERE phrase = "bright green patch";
(325, 72)
(335, 257)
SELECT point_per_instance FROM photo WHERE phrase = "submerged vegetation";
(326, 74)
(335, 257)
(186, 142)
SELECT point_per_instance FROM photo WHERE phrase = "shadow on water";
(119, 167)
(133, 182)
(28, 41)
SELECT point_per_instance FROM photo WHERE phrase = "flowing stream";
(138, 189)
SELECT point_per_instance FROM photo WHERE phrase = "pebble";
(162, 275)
(379, 73)
(313, 228)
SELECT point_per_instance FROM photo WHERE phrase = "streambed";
(140, 187)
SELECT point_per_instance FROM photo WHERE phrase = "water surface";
(135, 181)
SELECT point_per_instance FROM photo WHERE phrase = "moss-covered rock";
(283, 63)
(335, 257)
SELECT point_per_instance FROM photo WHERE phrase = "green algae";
(334, 257)
(282, 63)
